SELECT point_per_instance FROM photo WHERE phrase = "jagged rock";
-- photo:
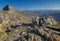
(8, 7)
(35, 21)
(50, 20)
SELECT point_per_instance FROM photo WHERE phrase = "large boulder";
(35, 21)
(49, 20)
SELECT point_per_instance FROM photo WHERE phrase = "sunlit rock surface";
(17, 26)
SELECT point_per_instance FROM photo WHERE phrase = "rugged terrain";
(17, 26)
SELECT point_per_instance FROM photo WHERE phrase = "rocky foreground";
(16, 26)
(28, 33)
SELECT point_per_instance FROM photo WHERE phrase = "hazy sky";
(31, 4)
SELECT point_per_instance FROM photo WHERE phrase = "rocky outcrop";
(35, 21)
(38, 30)
(48, 20)
(38, 34)
(8, 7)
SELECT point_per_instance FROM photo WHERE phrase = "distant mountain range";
(28, 13)
(54, 13)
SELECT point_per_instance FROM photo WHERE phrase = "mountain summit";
(14, 15)
(8, 7)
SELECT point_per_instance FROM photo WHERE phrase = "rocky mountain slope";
(9, 16)
(14, 15)
(17, 26)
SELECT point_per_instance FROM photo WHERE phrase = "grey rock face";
(49, 20)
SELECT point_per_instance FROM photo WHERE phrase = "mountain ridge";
(54, 13)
